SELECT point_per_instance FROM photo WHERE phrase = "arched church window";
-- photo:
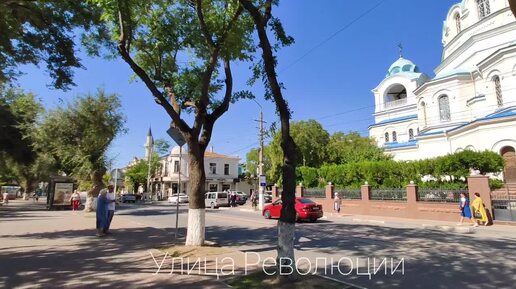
(394, 137)
(444, 108)
(411, 134)
(498, 90)
(423, 106)
(484, 8)
(457, 22)
(386, 137)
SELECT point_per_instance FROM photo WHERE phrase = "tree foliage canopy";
(43, 31)
(79, 135)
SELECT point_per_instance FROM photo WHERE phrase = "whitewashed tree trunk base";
(91, 204)
(196, 227)
(286, 244)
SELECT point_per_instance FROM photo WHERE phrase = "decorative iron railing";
(316, 193)
(349, 194)
(440, 195)
(389, 194)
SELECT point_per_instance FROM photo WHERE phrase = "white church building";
(470, 103)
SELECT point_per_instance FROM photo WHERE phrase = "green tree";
(311, 140)
(182, 51)
(161, 146)
(79, 135)
(352, 147)
(21, 162)
(43, 31)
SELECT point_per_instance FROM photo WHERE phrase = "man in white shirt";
(111, 205)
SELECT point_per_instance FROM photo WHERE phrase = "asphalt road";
(432, 259)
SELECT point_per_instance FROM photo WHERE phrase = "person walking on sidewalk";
(337, 202)
(465, 210)
(479, 210)
(102, 213)
(76, 200)
(111, 198)
(253, 199)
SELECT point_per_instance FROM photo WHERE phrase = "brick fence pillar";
(329, 191)
(366, 192)
(300, 190)
(275, 191)
(411, 195)
(480, 184)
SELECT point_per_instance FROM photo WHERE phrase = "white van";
(216, 199)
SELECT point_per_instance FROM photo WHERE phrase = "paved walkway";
(56, 249)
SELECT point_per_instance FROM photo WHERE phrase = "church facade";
(470, 103)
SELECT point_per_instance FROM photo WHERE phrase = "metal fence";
(349, 194)
(389, 195)
(440, 195)
(317, 193)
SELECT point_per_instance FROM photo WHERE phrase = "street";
(48, 249)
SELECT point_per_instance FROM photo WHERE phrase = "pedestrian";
(336, 203)
(233, 199)
(465, 210)
(35, 197)
(102, 213)
(253, 199)
(479, 211)
(111, 199)
(5, 201)
(75, 200)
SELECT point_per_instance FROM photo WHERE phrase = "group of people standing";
(105, 210)
(475, 211)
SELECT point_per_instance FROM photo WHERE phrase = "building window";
(213, 168)
(444, 108)
(423, 106)
(457, 22)
(176, 166)
(411, 134)
(394, 137)
(226, 169)
(213, 187)
(484, 8)
(498, 90)
(386, 137)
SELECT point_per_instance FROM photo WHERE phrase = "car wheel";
(267, 215)
(212, 206)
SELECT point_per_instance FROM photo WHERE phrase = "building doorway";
(509, 154)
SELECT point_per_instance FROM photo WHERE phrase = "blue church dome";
(402, 65)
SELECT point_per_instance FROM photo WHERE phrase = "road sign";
(263, 181)
(176, 135)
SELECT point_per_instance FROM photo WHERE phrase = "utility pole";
(261, 177)
(260, 165)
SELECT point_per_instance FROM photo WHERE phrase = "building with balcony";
(470, 103)
(221, 172)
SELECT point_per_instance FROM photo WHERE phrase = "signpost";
(176, 135)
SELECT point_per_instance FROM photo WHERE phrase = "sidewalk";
(55, 249)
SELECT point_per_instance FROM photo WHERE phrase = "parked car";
(241, 198)
(183, 198)
(216, 199)
(267, 197)
(306, 209)
(129, 198)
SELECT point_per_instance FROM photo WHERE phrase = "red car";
(306, 209)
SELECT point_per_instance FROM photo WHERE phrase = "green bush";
(450, 172)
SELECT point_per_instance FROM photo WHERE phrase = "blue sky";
(328, 83)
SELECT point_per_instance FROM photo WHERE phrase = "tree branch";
(202, 23)
(220, 110)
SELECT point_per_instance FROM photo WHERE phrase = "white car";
(182, 198)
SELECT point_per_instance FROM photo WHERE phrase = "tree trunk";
(286, 224)
(512, 4)
(98, 184)
(196, 209)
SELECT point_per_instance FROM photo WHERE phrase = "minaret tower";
(149, 144)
